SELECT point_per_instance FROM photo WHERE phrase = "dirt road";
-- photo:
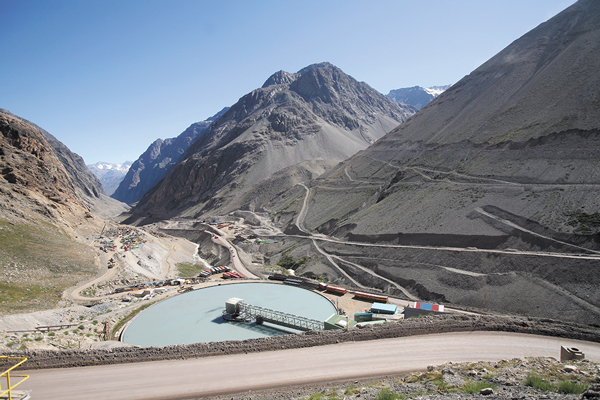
(235, 259)
(245, 372)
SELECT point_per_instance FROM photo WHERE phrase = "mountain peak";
(416, 96)
(319, 113)
(280, 78)
(320, 65)
(283, 77)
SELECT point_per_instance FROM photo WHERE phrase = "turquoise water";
(195, 317)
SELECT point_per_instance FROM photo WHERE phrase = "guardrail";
(7, 375)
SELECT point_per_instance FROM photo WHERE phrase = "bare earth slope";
(521, 133)
(488, 195)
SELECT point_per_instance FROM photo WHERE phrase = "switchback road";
(254, 371)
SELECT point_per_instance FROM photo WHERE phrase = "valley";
(465, 224)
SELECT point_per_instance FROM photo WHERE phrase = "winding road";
(242, 373)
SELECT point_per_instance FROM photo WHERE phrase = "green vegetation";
(475, 387)
(567, 387)
(387, 394)
(288, 262)
(351, 390)
(89, 292)
(584, 223)
(127, 318)
(321, 396)
(37, 263)
(538, 382)
(188, 270)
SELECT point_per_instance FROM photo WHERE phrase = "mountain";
(34, 183)
(49, 208)
(110, 175)
(416, 96)
(88, 191)
(160, 157)
(522, 129)
(318, 113)
(487, 196)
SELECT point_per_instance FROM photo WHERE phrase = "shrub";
(569, 387)
(386, 394)
(539, 383)
(351, 390)
(475, 387)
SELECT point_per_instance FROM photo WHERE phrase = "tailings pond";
(195, 317)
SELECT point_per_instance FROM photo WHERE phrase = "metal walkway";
(249, 312)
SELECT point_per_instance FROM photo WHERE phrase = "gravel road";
(237, 373)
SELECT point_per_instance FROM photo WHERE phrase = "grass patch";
(37, 263)
(569, 387)
(538, 382)
(475, 387)
(351, 390)
(321, 396)
(387, 394)
(127, 318)
(564, 386)
(188, 270)
(288, 262)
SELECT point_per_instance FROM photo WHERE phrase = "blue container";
(361, 317)
(382, 308)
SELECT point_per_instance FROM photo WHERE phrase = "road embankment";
(39, 359)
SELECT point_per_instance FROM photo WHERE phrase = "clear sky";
(108, 77)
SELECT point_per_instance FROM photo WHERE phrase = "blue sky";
(108, 77)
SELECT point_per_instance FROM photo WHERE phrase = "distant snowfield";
(110, 174)
(103, 167)
(435, 91)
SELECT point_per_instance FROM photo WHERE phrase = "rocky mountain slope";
(416, 96)
(34, 182)
(49, 208)
(42, 215)
(110, 174)
(160, 157)
(520, 133)
(318, 113)
(501, 167)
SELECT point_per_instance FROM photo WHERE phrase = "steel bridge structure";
(249, 312)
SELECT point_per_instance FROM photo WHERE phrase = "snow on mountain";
(104, 166)
(435, 91)
(110, 174)
(416, 96)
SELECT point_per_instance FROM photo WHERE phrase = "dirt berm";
(38, 359)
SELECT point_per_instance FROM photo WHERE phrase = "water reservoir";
(195, 317)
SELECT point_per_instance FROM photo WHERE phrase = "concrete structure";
(570, 353)
(367, 323)
(337, 321)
